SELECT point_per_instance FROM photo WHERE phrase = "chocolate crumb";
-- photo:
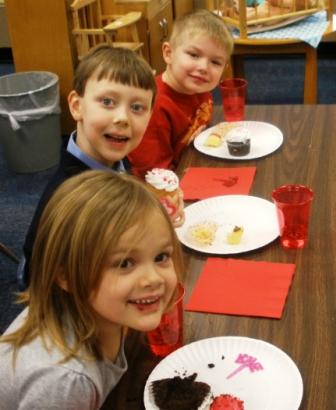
(211, 365)
(179, 393)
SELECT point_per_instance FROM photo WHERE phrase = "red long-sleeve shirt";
(176, 120)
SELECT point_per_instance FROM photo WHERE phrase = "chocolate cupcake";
(239, 142)
(181, 393)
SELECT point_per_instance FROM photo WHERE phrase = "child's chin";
(148, 325)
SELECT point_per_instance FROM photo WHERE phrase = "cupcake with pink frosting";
(164, 183)
(227, 402)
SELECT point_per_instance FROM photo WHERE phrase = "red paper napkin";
(239, 287)
(202, 183)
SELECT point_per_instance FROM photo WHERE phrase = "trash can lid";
(26, 82)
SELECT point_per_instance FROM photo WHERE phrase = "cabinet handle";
(162, 25)
(165, 22)
(164, 29)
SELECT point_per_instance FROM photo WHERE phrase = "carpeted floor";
(271, 81)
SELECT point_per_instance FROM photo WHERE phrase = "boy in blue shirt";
(112, 100)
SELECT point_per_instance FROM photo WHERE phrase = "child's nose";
(121, 117)
(203, 64)
(150, 276)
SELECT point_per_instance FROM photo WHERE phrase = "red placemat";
(240, 287)
(202, 183)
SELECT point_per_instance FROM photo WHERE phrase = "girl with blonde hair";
(106, 258)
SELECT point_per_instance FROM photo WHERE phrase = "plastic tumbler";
(233, 92)
(293, 209)
(168, 336)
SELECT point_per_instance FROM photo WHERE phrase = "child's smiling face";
(194, 65)
(138, 279)
(111, 118)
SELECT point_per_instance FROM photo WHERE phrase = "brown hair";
(81, 223)
(116, 64)
(202, 21)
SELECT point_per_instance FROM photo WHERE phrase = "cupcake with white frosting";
(239, 141)
(164, 183)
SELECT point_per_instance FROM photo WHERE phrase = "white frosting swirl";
(162, 179)
(238, 134)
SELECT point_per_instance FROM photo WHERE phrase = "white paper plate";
(256, 215)
(277, 386)
(265, 138)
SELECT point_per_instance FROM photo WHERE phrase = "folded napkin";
(202, 183)
(242, 287)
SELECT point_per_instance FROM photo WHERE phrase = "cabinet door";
(182, 7)
(159, 29)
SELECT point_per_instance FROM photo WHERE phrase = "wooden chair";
(245, 46)
(91, 28)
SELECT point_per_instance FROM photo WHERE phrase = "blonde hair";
(117, 64)
(202, 22)
(81, 224)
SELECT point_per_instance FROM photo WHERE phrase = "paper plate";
(265, 139)
(257, 216)
(257, 372)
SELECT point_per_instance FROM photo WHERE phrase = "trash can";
(30, 129)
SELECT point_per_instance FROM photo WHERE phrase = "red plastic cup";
(168, 336)
(293, 209)
(233, 92)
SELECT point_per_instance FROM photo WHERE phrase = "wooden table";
(307, 329)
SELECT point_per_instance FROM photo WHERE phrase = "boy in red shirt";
(196, 55)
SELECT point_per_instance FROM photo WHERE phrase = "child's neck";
(84, 146)
(169, 79)
(110, 342)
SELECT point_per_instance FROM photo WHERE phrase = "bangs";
(139, 220)
(115, 64)
(126, 72)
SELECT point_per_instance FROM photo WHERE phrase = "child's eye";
(136, 107)
(108, 102)
(192, 54)
(125, 264)
(163, 257)
(216, 62)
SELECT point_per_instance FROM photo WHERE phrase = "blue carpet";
(19, 194)
(6, 69)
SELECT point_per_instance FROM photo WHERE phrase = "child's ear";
(62, 282)
(74, 102)
(166, 52)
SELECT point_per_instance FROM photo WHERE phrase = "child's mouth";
(146, 303)
(199, 80)
(116, 139)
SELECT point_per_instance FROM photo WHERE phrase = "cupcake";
(234, 237)
(239, 141)
(181, 393)
(164, 184)
(227, 402)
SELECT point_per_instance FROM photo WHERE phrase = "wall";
(4, 35)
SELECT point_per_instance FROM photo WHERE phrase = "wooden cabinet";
(181, 7)
(41, 41)
(159, 29)
(154, 28)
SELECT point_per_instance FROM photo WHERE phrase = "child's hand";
(178, 217)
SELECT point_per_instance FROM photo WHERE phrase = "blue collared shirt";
(74, 149)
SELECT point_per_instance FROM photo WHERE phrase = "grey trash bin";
(30, 130)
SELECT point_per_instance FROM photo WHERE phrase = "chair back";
(91, 28)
